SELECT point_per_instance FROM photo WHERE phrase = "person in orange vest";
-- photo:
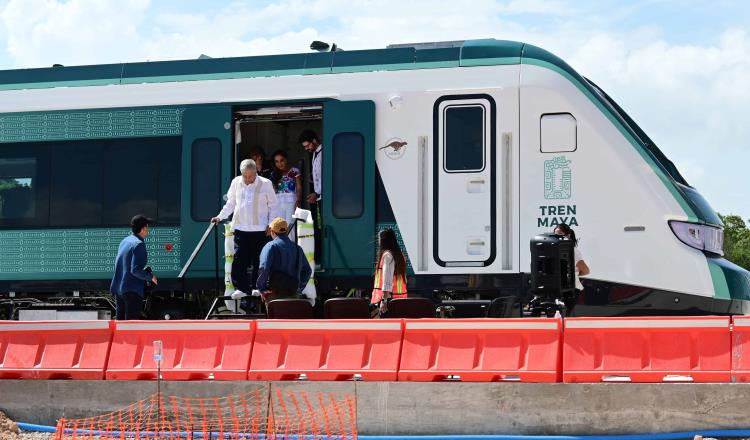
(390, 271)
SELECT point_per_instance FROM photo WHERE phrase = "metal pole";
(158, 358)
(195, 251)
(296, 232)
(216, 261)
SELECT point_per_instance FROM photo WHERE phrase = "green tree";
(736, 240)
(9, 183)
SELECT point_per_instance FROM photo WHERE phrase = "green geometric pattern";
(382, 226)
(91, 124)
(85, 253)
(557, 178)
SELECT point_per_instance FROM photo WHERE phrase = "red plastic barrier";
(54, 349)
(326, 349)
(192, 350)
(481, 350)
(665, 349)
(741, 349)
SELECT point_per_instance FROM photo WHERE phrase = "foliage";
(9, 183)
(736, 240)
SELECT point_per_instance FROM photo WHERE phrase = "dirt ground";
(8, 428)
(9, 431)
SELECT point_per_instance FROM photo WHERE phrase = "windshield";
(656, 153)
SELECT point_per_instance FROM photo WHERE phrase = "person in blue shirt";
(131, 275)
(283, 269)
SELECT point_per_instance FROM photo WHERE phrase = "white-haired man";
(251, 200)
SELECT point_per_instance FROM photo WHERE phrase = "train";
(467, 149)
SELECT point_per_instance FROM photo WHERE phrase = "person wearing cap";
(130, 275)
(251, 200)
(284, 270)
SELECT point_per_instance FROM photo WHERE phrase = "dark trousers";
(279, 294)
(128, 305)
(247, 247)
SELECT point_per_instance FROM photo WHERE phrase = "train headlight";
(701, 237)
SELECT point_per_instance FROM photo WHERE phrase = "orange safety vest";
(399, 285)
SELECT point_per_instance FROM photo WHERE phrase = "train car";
(467, 149)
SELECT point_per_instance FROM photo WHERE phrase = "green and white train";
(467, 149)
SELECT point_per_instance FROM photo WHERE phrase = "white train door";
(464, 202)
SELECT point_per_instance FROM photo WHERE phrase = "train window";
(348, 175)
(130, 181)
(170, 169)
(94, 183)
(76, 184)
(205, 179)
(558, 133)
(463, 138)
(17, 188)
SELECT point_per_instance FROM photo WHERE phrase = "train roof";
(396, 57)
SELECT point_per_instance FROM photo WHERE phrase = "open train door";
(348, 202)
(206, 156)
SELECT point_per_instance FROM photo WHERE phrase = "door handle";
(476, 242)
(475, 185)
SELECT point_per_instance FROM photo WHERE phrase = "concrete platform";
(411, 408)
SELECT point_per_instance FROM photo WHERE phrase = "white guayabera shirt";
(253, 205)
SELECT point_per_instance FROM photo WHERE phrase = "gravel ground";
(8, 428)
(9, 431)
(35, 436)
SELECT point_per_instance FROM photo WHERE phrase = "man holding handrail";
(251, 200)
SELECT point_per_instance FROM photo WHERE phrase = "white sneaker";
(237, 294)
(256, 292)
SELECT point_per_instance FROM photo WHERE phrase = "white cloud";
(44, 32)
(684, 95)
(536, 7)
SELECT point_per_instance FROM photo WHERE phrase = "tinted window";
(18, 184)
(90, 183)
(169, 155)
(463, 138)
(24, 185)
(76, 184)
(206, 179)
(348, 175)
(130, 187)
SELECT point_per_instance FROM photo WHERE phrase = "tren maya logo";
(394, 148)
(558, 185)
(558, 178)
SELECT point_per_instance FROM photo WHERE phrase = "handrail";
(197, 249)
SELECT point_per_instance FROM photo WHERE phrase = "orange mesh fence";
(252, 415)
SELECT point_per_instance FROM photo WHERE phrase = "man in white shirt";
(311, 143)
(251, 200)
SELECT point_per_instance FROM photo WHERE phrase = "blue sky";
(681, 69)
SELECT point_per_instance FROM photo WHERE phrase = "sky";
(681, 69)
